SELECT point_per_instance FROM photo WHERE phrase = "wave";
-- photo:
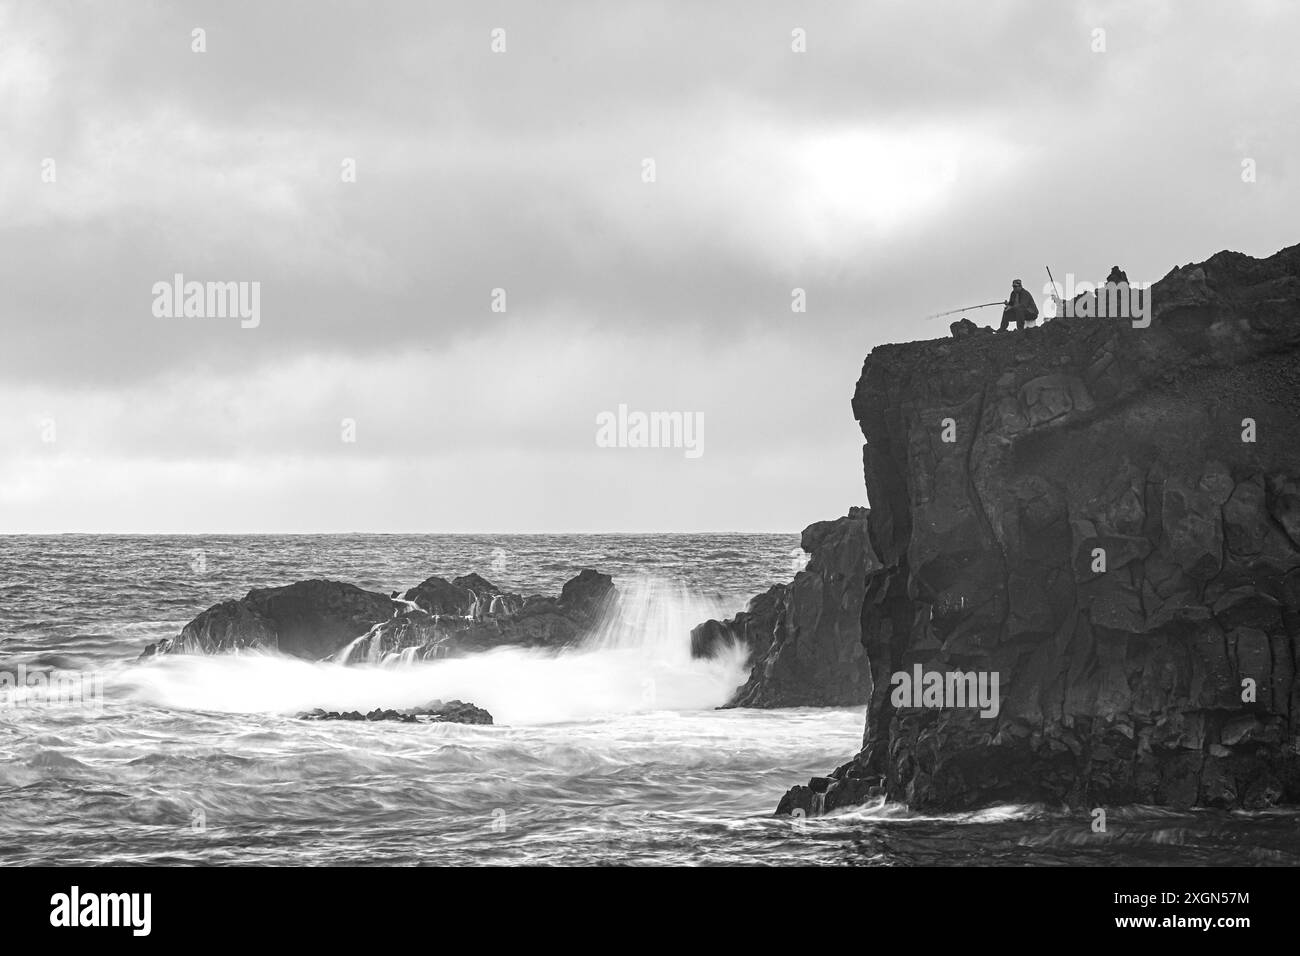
(637, 660)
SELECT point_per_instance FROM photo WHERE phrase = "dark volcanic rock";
(1165, 674)
(452, 712)
(805, 638)
(309, 619)
(325, 619)
(587, 594)
(816, 658)
(964, 328)
(467, 596)
(437, 595)
(752, 628)
(489, 618)
(540, 622)
(476, 583)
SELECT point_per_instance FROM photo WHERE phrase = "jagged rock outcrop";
(469, 595)
(752, 628)
(320, 620)
(309, 619)
(1108, 518)
(483, 617)
(964, 327)
(587, 594)
(437, 595)
(805, 638)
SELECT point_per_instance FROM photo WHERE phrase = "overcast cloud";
(916, 158)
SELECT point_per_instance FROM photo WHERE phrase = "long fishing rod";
(939, 315)
(1060, 304)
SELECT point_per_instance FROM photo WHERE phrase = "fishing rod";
(968, 308)
(1056, 297)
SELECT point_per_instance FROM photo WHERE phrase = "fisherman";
(1020, 308)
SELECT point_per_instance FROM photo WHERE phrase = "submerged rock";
(452, 712)
(1105, 517)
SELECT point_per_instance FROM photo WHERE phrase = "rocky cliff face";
(1108, 518)
(437, 618)
(805, 637)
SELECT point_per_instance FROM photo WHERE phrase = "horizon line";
(193, 534)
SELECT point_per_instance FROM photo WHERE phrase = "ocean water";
(608, 753)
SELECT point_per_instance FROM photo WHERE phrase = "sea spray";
(637, 659)
(654, 617)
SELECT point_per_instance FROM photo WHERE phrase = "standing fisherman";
(1020, 309)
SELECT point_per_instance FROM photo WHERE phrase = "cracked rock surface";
(1100, 529)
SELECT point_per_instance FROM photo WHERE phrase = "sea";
(613, 752)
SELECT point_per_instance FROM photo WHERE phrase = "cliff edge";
(1102, 521)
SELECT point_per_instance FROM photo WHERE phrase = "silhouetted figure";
(1117, 275)
(1021, 308)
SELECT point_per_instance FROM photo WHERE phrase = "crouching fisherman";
(1020, 308)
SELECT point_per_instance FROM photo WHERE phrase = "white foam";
(637, 660)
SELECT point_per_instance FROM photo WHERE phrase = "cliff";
(805, 637)
(1107, 518)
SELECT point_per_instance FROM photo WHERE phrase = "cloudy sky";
(917, 157)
